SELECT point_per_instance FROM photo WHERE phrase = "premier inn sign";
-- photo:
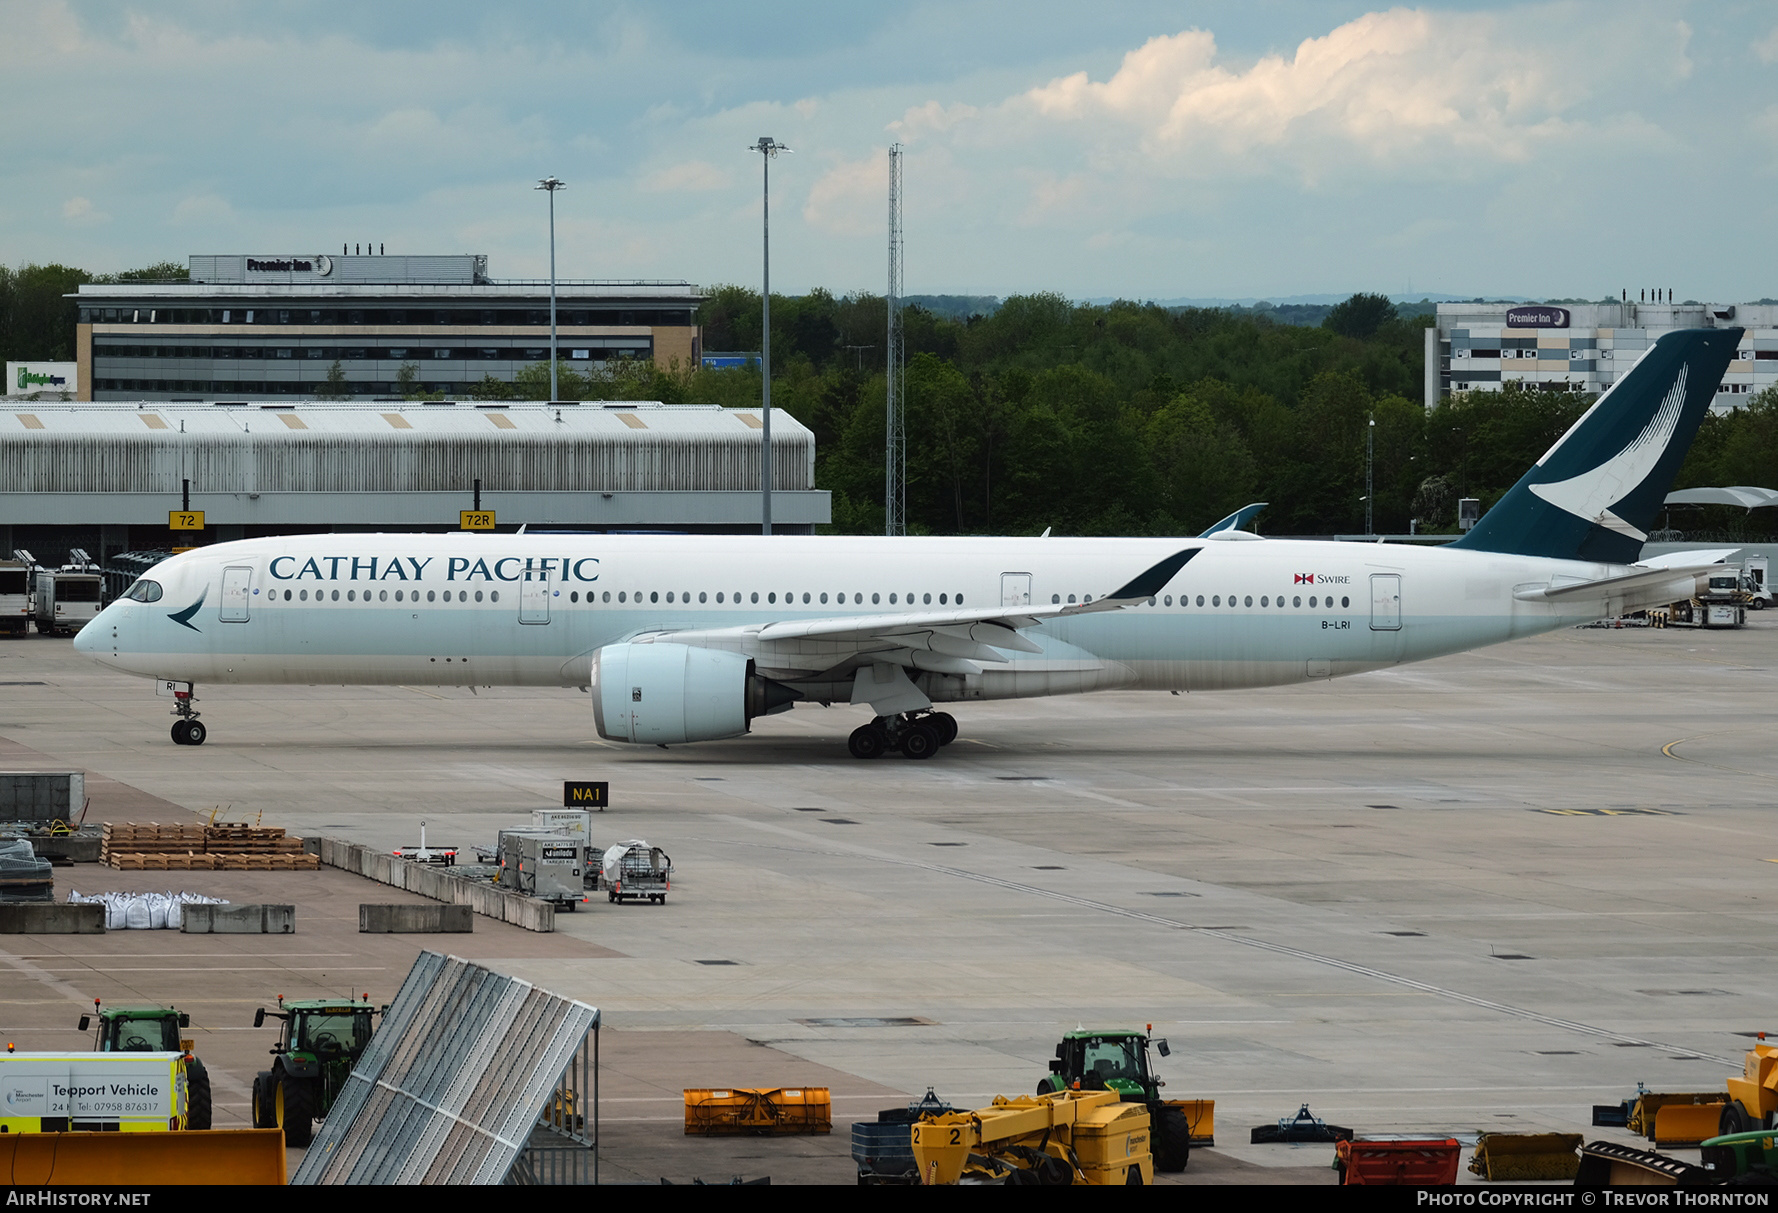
(1539, 316)
(320, 266)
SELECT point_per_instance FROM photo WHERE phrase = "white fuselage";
(459, 609)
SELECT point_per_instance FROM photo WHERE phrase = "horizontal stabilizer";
(1611, 586)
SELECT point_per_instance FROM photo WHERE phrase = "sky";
(1136, 150)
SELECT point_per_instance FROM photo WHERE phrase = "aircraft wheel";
(919, 741)
(945, 724)
(867, 741)
(182, 732)
(195, 732)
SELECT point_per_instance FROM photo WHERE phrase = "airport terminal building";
(107, 477)
(1480, 347)
(252, 327)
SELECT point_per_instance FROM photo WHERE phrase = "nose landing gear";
(915, 734)
(188, 729)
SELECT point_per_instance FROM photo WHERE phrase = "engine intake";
(665, 694)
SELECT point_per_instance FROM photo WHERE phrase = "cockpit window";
(144, 591)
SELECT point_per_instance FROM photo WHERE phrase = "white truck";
(1756, 580)
(15, 597)
(98, 1092)
(68, 598)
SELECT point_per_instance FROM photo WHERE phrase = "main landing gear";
(188, 729)
(915, 734)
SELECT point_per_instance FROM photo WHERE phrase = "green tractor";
(1118, 1061)
(154, 1030)
(321, 1041)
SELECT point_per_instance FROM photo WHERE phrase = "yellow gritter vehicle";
(1753, 1097)
(1068, 1137)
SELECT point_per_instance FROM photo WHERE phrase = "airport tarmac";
(1480, 893)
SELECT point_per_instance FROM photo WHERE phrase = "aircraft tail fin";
(1597, 491)
(1236, 520)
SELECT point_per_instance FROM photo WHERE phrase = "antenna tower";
(895, 511)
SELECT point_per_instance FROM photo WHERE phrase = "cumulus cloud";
(691, 177)
(851, 198)
(1767, 48)
(1399, 87)
(81, 213)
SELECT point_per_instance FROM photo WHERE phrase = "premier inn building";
(270, 327)
(1587, 347)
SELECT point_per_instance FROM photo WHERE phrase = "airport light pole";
(550, 185)
(1370, 452)
(768, 149)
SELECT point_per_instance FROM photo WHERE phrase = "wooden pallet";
(295, 861)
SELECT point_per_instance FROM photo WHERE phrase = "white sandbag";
(116, 914)
(137, 915)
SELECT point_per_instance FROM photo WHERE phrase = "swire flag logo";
(1305, 579)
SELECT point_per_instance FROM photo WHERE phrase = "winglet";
(1236, 520)
(1149, 583)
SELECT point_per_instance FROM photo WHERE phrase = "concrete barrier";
(51, 918)
(200, 919)
(436, 883)
(415, 920)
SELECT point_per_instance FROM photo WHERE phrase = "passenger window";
(756, 595)
(1055, 598)
(772, 597)
(1297, 601)
(478, 596)
(806, 596)
(669, 595)
(1345, 602)
(1071, 598)
(606, 597)
(304, 595)
(1262, 600)
(823, 597)
(892, 600)
(927, 599)
(875, 599)
(654, 595)
(1216, 600)
(429, 595)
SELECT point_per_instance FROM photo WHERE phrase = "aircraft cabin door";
(1015, 589)
(237, 588)
(534, 596)
(1385, 602)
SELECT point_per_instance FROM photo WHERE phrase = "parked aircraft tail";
(1597, 491)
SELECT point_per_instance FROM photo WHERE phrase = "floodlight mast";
(551, 185)
(768, 149)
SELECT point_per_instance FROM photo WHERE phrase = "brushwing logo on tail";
(1591, 495)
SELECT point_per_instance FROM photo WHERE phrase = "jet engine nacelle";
(664, 694)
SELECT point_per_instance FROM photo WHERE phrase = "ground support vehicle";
(1118, 1061)
(68, 598)
(127, 1092)
(320, 1042)
(1753, 1097)
(884, 1149)
(1069, 1137)
(15, 597)
(155, 1030)
(1757, 581)
(635, 871)
(549, 865)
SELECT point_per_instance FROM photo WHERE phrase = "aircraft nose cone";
(85, 640)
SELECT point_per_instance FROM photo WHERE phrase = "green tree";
(334, 386)
(1360, 316)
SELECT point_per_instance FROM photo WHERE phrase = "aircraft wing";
(956, 641)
